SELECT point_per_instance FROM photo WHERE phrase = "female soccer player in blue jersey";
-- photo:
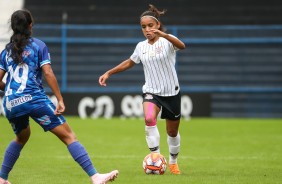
(25, 59)
(161, 90)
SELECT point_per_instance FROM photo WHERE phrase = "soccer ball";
(154, 163)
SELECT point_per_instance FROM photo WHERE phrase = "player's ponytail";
(21, 24)
(155, 13)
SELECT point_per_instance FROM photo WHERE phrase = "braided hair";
(21, 22)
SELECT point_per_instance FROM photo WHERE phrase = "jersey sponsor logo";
(18, 101)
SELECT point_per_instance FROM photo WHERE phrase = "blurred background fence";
(239, 65)
(217, 58)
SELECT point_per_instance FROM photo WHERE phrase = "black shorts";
(170, 106)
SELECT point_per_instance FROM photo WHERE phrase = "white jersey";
(159, 66)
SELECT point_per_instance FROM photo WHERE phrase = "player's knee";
(150, 120)
(69, 138)
(172, 133)
(22, 141)
(23, 136)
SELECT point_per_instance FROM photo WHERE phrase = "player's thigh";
(151, 107)
(19, 123)
(45, 117)
(21, 128)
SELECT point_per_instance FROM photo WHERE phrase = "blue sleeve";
(3, 65)
(43, 52)
(44, 56)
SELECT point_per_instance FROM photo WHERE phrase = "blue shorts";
(43, 115)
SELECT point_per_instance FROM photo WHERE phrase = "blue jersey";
(24, 90)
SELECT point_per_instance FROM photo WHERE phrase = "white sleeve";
(174, 48)
(135, 56)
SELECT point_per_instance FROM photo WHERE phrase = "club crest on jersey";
(26, 53)
(149, 97)
(159, 50)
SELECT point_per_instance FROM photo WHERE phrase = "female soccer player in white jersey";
(161, 90)
(25, 59)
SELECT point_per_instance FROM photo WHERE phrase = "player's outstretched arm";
(53, 84)
(119, 68)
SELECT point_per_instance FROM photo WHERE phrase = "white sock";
(153, 138)
(174, 147)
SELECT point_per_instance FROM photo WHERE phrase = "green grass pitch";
(213, 151)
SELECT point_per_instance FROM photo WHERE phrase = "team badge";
(26, 53)
(149, 97)
(158, 50)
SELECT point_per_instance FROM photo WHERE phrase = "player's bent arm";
(172, 39)
(53, 84)
(175, 41)
(2, 84)
(52, 81)
(119, 68)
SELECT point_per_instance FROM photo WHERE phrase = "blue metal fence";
(68, 36)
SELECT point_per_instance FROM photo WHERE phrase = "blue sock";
(11, 156)
(80, 155)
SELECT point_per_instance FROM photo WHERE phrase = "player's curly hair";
(154, 12)
(21, 22)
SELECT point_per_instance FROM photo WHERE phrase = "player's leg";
(151, 112)
(64, 133)
(76, 149)
(172, 113)
(21, 128)
(45, 117)
(80, 155)
(173, 140)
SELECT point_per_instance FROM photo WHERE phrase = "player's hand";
(103, 79)
(60, 109)
(158, 32)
